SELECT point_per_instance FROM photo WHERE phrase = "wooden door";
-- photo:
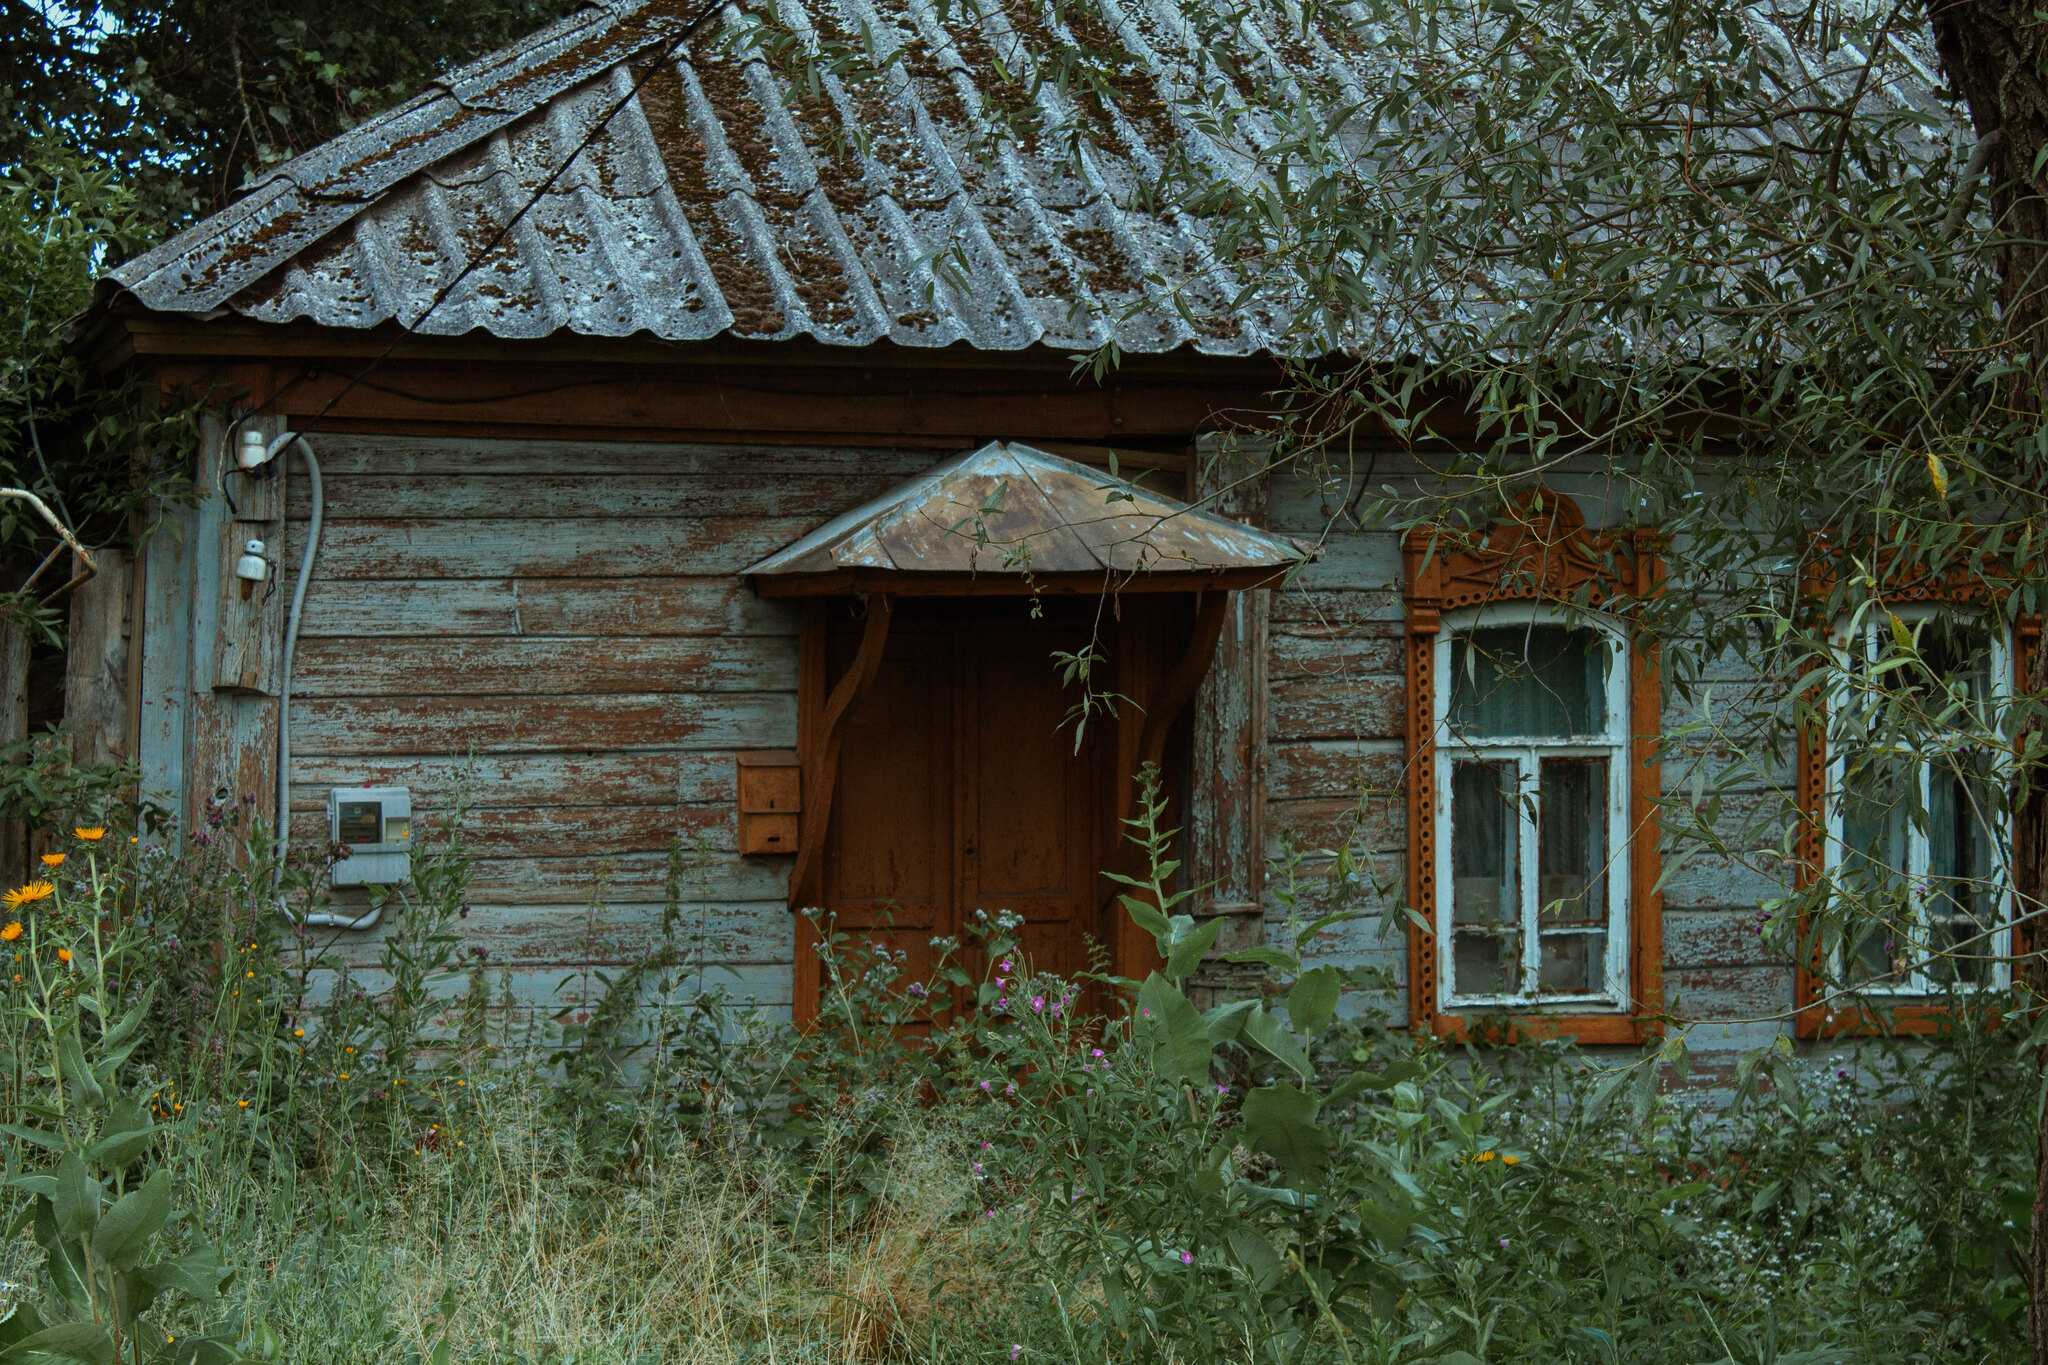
(960, 788)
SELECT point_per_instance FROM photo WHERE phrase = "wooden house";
(742, 491)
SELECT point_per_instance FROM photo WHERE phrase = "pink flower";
(1095, 1052)
(1037, 1003)
(1187, 1258)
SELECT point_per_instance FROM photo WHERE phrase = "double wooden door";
(961, 787)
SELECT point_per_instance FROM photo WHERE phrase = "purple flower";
(1037, 1003)
(1016, 1350)
(1095, 1052)
(1004, 965)
(1188, 1257)
(1223, 1090)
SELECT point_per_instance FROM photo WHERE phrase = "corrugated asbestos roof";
(712, 207)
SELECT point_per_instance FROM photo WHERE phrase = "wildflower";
(298, 1033)
(1095, 1052)
(24, 895)
(11, 932)
(243, 1103)
(1016, 1349)
(342, 1074)
(1037, 1004)
(63, 954)
(53, 860)
(1484, 1156)
(1511, 1161)
(1187, 1258)
(1223, 1090)
(91, 833)
(252, 976)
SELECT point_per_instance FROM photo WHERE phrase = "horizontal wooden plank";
(1301, 604)
(1337, 708)
(646, 778)
(373, 727)
(354, 608)
(388, 666)
(1336, 653)
(555, 990)
(538, 831)
(1378, 825)
(1728, 992)
(1725, 938)
(1333, 769)
(736, 492)
(348, 454)
(572, 547)
(525, 935)
(570, 876)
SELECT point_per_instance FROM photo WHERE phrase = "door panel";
(1029, 814)
(960, 789)
(889, 853)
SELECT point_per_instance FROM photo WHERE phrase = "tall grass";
(417, 1174)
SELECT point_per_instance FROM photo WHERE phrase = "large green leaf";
(20, 1324)
(65, 1258)
(196, 1273)
(1272, 1035)
(1226, 1021)
(123, 1235)
(76, 1199)
(1256, 1255)
(1148, 918)
(1190, 946)
(124, 1137)
(1312, 1004)
(1279, 1120)
(71, 1061)
(68, 1343)
(1175, 1034)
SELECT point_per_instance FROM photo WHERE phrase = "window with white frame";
(1918, 842)
(1532, 743)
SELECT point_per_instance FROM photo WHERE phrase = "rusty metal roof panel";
(1015, 509)
(715, 204)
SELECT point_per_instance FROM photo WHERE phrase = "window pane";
(1879, 797)
(1486, 902)
(1574, 963)
(1571, 850)
(1964, 868)
(1542, 681)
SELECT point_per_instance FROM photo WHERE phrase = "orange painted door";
(960, 788)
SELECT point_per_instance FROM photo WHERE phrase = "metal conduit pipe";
(275, 449)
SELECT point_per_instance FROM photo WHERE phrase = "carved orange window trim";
(1541, 551)
(1815, 1014)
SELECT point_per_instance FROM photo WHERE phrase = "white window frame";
(1862, 630)
(1527, 753)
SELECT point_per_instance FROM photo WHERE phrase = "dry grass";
(699, 1261)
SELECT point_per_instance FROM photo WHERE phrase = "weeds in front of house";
(227, 1141)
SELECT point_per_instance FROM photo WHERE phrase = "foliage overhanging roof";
(714, 204)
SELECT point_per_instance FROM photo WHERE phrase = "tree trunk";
(1996, 54)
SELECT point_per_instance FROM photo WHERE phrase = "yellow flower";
(53, 860)
(243, 1103)
(252, 976)
(11, 932)
(1484, 1156)
(24, 895)
(343, 1075)
(298, 1033)
(1511, 1161)
(63, 954)
(91, 833)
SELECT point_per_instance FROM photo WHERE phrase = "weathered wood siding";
(559, 627)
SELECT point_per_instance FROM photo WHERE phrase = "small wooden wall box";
(771, 797)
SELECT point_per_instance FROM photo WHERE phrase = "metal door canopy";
(1009, 518)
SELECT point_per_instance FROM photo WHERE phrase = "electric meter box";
(375, 825)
